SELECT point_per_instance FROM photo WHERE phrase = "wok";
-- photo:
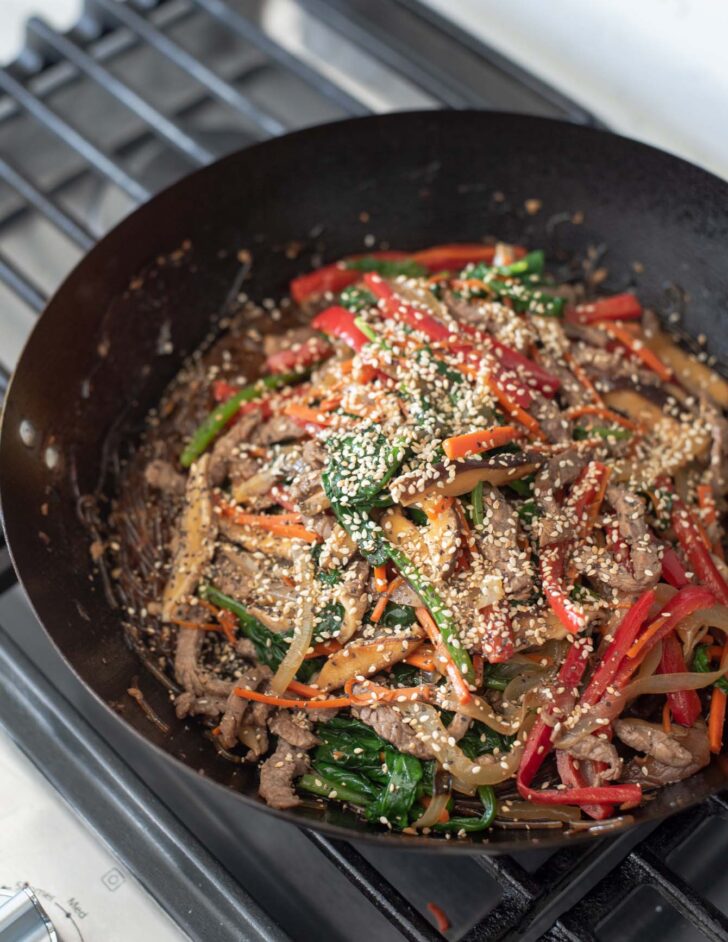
(117, 329)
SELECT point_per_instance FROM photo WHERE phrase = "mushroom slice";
(365, 658)
(196, 542)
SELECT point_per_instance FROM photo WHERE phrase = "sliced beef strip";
(188, 672)
(225, 454)
(253, 731)
(163, 476)
(499, 543)
(236, 706)
(559, 471)
(571, 389)
(294, 727)
(591, 336)
(280, 428)
(278, 773)
(607, 574)
(296, 336)
(551, 419)
(389, 723)
(188, 704)
(234, 572)
(718, 466)
(632, 525)
(649, 771)
(595, 749)
(653, 740)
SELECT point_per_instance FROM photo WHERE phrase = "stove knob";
(23, 919)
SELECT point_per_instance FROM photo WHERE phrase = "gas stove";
(92, 123)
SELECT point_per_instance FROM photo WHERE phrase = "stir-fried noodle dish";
(438, 539)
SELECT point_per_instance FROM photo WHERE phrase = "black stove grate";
(571, 893)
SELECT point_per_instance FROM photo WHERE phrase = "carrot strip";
(384, 598)
(307, 414)
(666, 724)
(280, 524)
(603, 413)
(380, 578)
(441, 506)
(716, 720)
(440, 917)
(709, 516)
(637, 348)
(423, 659)
(229, 624)
(374, 693)
(462, 691)
(651, 630)
(514, 410)
(481, 440)
(333, 703)
(303, 690)
(323, 650)
(592, 510)
(583, 377)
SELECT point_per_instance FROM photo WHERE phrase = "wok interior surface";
(118, 329)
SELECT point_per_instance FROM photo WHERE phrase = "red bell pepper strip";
(506, 379)
(305, 354)
(689, 599)
(538, 377)
(399, 310)
(338, 322)
(544, 381)
(691, 541)
(551, 565)
(627, 795)
(572, 775)
(334, 277)
(497, 633)
(684, 704)
(620, 307)
(538, 746)
(457, 255)
(622, 641)
(673, 571)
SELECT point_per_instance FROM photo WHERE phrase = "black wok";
(95, 362)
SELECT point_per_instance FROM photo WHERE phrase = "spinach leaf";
(270, 648)
(360, 465)
(490, 809)
(701, 664)
(416, 515)
(328, 622)
(398, 616)
(356, 299)
(397, 796)
(480, 739)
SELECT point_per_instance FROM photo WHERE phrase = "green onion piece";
(476, 503)
(216, 421)
(437, 608)
(387, 267)
(490, 809)
(531, 264)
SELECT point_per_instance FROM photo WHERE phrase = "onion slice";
(486, 770)
(303, 628)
